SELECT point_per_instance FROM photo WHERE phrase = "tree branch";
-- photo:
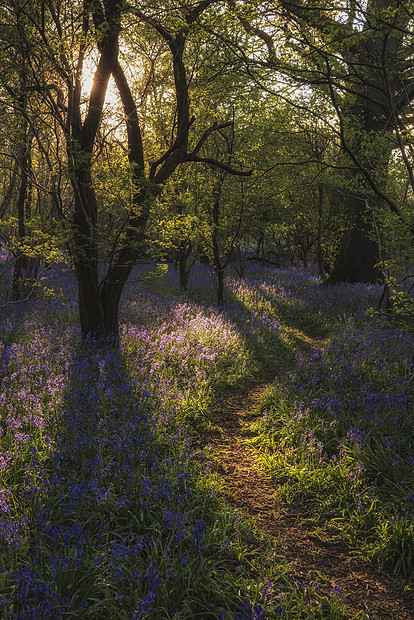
(315, 17)
(207, 133)
(154, 23)
(218, 164)
(264, 36)
(135, 147)
(198, 10)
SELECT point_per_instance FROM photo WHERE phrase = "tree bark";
(184, 252)
(85, 253)
(358, 256)
(220, 287)
(365, 140)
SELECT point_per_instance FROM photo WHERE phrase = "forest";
(206, 309)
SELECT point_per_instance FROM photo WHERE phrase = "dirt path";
(311, 558)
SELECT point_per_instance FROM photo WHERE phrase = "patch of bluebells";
(95, 448)
(250, 611)
(183, 353)
(298, 290)
(353, 411)
(195, 340)
(80, 443)
(85, 443)
(359, 385)
(258, 611)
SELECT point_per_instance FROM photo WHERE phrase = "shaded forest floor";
(311, 554)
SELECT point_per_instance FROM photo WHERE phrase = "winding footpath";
(309, 556)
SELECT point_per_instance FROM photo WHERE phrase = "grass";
(336, 434)
(105, 512)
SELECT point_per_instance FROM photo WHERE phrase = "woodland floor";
(310, 555)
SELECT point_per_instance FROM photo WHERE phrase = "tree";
(359, 58)
(176, 224)
(225, 207)
(24, 222)
(68, 37)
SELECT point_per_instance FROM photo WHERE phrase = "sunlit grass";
(336, 435)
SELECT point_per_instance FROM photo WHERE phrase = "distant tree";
(293, 199)
(25, 223)
(223, 218)
(176, 225)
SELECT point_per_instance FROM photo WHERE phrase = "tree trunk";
(19, 282)
(85, 253)
(320, 260)
(365, 141)
(184, 252)
(182, 260)
(305, 257)
(215, 245)
(8, 193)
(260, 246)
(358, 256)
(220, 287)
(22, 282)
(110, 293)
(80, 145)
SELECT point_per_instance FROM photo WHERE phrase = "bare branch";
(207, 133)
(154, 23)
(219, 164)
